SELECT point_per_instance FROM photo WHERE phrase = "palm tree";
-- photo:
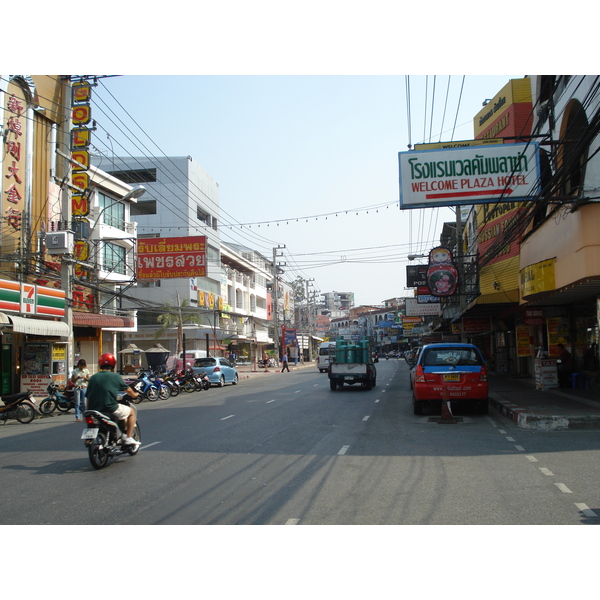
(173, 317)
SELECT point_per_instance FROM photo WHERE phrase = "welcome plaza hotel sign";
(469, 175)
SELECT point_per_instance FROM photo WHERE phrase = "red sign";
(168, 258)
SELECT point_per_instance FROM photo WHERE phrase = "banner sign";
(168, 258)
(469, 175)
(416, 275)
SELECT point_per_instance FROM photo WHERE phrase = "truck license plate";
(348, 377)
(89, 434)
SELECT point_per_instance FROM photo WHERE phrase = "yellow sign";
(537, 278)
(459, 144)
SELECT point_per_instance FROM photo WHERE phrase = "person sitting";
(102, 391)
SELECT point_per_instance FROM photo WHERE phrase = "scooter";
(19, 406)
(145, 387)
(105, 438)
(56, 400)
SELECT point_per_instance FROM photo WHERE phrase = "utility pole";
(462, 287)
(68, 259)
(276, 302)
(309, 320)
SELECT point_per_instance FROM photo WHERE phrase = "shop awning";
(81, 319)
(39, 326)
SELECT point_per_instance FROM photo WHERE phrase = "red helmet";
(107, 360)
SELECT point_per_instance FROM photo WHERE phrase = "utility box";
(59, 242)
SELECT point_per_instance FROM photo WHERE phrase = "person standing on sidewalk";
(284, 360)
(80, 378)
(565, 366)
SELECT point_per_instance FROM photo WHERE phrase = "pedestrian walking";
(284, 360)
(80, 378)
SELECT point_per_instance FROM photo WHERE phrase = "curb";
(525, 419)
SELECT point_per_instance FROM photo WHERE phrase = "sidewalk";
(550, 409)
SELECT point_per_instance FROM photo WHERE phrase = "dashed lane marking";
(343, 450)
(148, 445)
(366, 418)
(520, 448)
(563, 488)
(588, 512)
(531, 458)
(546, 471)
(292, 522)
(228, 417)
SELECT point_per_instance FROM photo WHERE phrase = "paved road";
(284, 449)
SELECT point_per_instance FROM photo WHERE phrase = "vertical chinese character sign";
(14, 166)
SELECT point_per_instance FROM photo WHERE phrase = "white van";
(190, 357)
(326, 354)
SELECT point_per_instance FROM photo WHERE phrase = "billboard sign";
(167, 258)
(415, 309)
(469, 175)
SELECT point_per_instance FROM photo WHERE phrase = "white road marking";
(148, 445)
(588, 512)
(269, 401)
(366, 418)
(343, 450)
(376, 401)
(531, 458)
(563, 488)
(297, 391)
(292, 522)
(520, 448)
(546, 471)
(501, 431)
(510, 439)
(229, 417)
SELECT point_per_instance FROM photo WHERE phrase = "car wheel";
(235, 379)
(222, 381)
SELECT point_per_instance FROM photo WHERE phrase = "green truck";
(351, 364)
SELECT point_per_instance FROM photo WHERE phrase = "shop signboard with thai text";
(168, 258)
(469, 175)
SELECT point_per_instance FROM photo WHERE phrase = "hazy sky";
(299, 111)
(309, 162)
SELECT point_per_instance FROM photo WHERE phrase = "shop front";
(34, 343)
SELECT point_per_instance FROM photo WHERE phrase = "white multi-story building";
(232, 302)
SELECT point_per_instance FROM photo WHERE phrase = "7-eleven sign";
(28, 298)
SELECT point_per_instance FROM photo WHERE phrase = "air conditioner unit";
(59, 242)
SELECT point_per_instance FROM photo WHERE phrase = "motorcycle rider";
(102, 391)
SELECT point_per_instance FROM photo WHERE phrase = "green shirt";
(102, 391)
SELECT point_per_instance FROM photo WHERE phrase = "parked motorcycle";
(105, 438)
(172, 381)
(164, 390)
(145, 387)
(202, 380)
(56, 400)
(19, 406)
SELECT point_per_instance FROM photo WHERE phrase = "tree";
(173, 317)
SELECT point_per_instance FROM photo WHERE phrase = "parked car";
(459, 368)
(219, 370)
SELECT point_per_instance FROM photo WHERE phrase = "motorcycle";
(56, 401)
(105, 438)
(145, 387)
(172, 381)
(19, 406)
(164, 390)
(202, 380)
